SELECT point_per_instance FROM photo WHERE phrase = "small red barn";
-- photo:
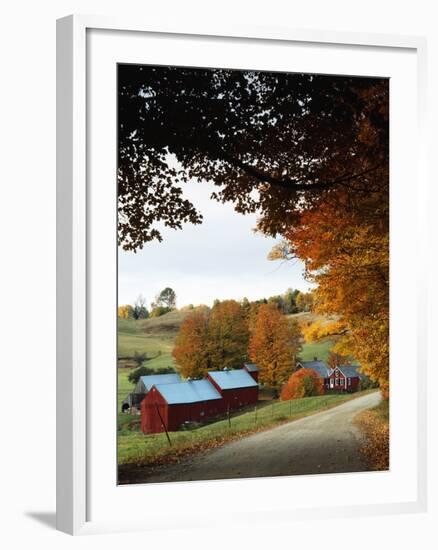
(344, 378)
(252, 369)
(170, 405)
(237, 387)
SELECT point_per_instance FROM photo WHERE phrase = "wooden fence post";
(229, 419)
(164, 425)
(255, 410)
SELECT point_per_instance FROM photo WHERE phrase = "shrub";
(302, 383)
(134, 376)
(158, 311)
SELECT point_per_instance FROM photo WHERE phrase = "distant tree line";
(292, 301)
(164, 302)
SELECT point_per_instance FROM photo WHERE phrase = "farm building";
(237, 387)
(169, 406)
(253, 370)
(144, 385)
(341, 378)
(345, 378)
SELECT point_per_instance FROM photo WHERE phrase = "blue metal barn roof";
(251, 367)
(154, 379)
(191, 391)
(233, 379)
(350, 371)
(319, 367)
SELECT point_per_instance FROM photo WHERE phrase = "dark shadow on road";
(46, 518)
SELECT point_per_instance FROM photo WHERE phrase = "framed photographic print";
(235, 209)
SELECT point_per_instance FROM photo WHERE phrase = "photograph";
(253, 274)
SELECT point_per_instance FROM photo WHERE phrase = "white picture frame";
(75, 398)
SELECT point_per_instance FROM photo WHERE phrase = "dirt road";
(326, 442)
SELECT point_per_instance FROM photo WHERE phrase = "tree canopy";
(267, 140)
(308, 153)
(274, 345)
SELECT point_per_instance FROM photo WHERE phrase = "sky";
(220, 259)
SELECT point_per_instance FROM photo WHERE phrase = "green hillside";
(153, 336)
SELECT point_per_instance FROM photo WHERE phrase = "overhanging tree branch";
(290, 183)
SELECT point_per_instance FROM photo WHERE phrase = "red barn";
(144, 384)
(253, 370)
(170, 405)
(237, 387)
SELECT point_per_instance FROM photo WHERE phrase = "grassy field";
(153, 336)
(137, 448)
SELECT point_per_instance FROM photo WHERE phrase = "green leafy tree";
(166, 298)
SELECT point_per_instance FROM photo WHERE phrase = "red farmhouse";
(344, 378)
(237, 387)
(341, 378)
(170, 405)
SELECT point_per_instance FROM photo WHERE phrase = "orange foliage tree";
(191, 345)
(336, 360)
(274, 345)
(344, 242)
(227, 335)
(212, 339)
(302, 383)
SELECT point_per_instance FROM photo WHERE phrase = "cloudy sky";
(221, 258)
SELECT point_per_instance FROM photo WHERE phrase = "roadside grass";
(137, 448)
(374, 424)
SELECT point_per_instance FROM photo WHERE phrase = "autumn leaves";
(274, 344)
(231, 333)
